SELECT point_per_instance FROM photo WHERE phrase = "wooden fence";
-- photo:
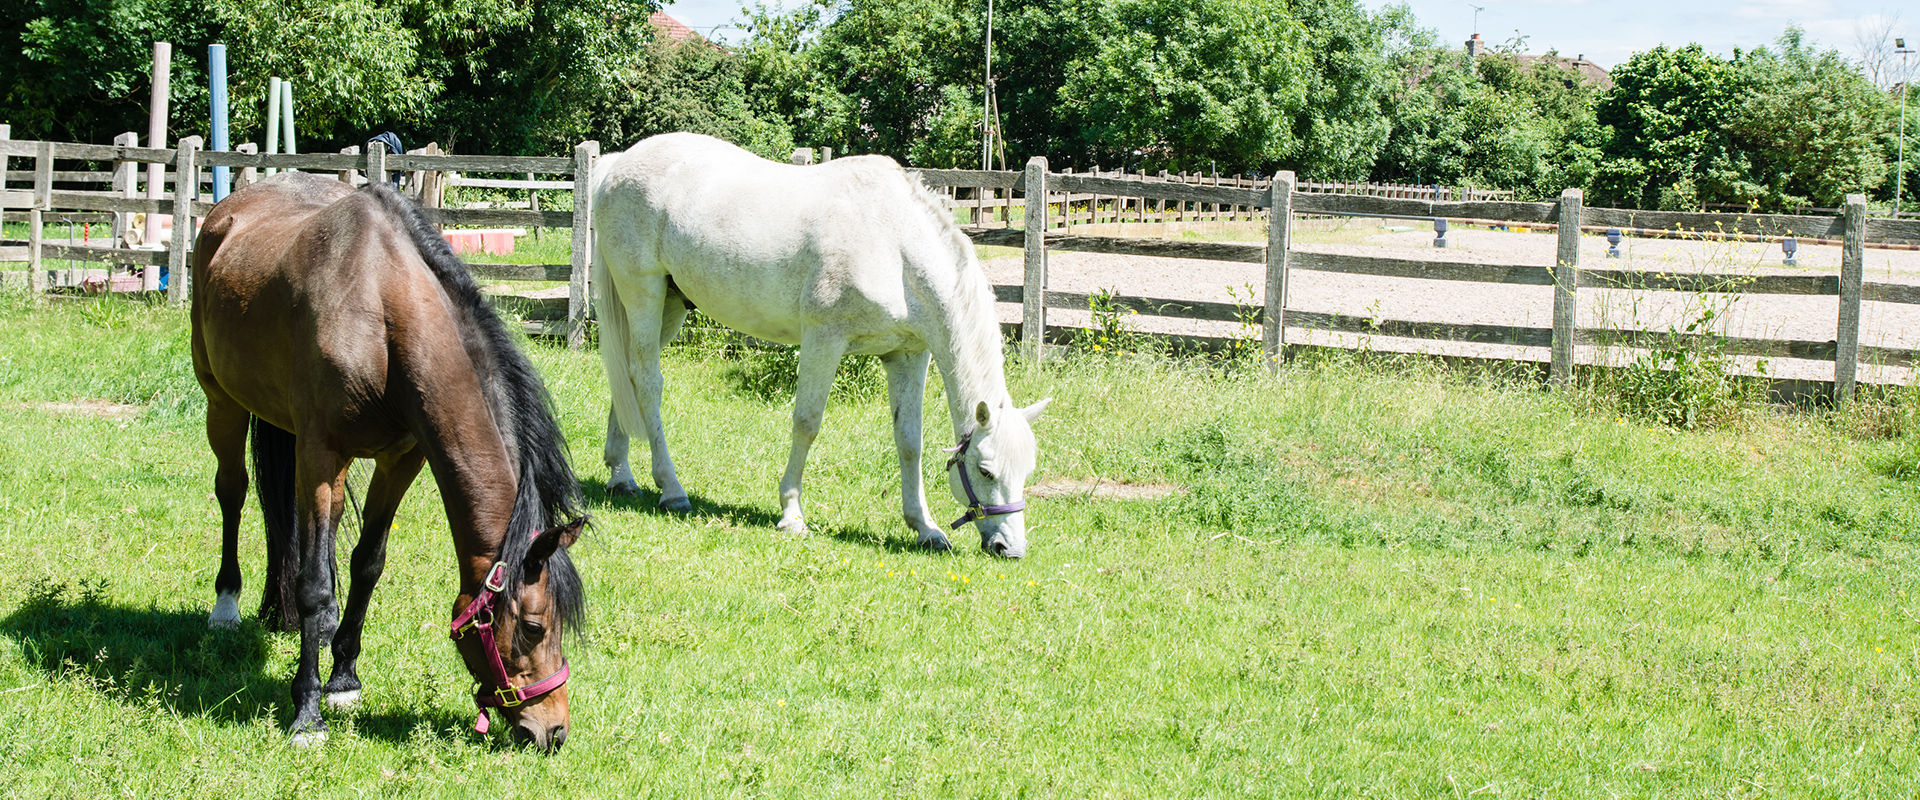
(1101, 197)
(188, 159)
(1045, 231)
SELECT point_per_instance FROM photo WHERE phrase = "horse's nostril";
(523, 735)
(557, 737)
(999, 547)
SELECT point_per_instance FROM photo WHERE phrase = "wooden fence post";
(1566, 279)
(1033, 298)
(579, 285)
(376, 162)
(248, 175)
(1279, 241)
(124, 182)
(346, 175)
(186, 189)
(36, 228)
(802, 156)
(1853, 258)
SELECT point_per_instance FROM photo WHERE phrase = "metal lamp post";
(1900, 171)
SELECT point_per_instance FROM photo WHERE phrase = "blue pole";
(217, 80)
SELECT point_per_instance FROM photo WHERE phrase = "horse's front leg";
(227, 435)
(819, 359)
(319, 479)
(906, 393)
(392, 476)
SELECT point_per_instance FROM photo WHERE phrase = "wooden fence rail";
(1049, 226)
(189, 159)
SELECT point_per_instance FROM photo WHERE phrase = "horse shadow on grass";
(139, 656)
(747, 517)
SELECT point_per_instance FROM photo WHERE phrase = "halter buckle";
(509, 696)
(497, 578)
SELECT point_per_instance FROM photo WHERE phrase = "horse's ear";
(1032, 412)
(551, 539)
(981, 414)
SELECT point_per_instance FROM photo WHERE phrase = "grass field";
(1390, 583)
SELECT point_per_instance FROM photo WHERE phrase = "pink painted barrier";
(497, 241)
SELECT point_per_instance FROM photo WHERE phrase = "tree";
(1807, 132)
(1667, 118)
(80, 70)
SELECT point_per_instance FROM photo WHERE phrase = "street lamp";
(1900, 171)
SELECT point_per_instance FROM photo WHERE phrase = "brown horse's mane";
(548, 493)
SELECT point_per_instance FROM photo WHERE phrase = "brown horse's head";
(534, 599)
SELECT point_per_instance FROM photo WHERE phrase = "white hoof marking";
(226, 612)
(346, 699)
(308, 739)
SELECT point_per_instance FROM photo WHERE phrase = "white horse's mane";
(973, 325)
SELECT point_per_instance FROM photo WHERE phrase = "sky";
(1605, 31)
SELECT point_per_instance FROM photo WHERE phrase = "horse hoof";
(307, 740)
(226, 613)
(343, 700)
(792, 527)
(677, 505)
(623, 490)
(937, 544)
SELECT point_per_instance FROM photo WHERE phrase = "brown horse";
(340, 324)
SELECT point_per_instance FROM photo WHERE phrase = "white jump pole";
(273, 119)
(286, 114)
(157, 137)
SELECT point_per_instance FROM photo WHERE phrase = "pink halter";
(478, 616)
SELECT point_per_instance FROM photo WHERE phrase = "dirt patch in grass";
(1103, 489)
(104, 409)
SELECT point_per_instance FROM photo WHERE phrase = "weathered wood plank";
(1453, 209)
(1903, 231)
(1853, 259)
(546, 165)
(1709, 224)
(315, 162)
(503, 183)
(1405, 329)
(1884, 292)
(1033, 301)
(1566, 275)
(108, 152)
(522, 272)
(1157, 190)
(579, 279)
(94, 201)
(1160, 248)
(1153, 306)
(107, 255)
(967, 178)
(1273, 318)
(1729, 283)
(1731, 345)
(499, 217)
(1428, 270)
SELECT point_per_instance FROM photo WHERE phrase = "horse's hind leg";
(634, 376)
(227, 435)
(906, 393)
(819, 359)
(392, 476)
(319, 480)
(621, 482)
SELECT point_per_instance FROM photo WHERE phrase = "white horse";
(851, 256)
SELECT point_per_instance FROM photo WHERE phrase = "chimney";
(1474, 46)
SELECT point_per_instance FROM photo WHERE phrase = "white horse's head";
(988, 474)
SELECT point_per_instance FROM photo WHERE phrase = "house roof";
(673, 28)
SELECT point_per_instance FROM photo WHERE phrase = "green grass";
(1393, 583)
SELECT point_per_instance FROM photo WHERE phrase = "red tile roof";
(673, 28)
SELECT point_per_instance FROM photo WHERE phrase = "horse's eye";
(986, 473)
(534, 631)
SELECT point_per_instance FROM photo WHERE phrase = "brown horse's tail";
(273, 461)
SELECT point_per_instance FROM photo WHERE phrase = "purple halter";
(975, 511)
(478, 617)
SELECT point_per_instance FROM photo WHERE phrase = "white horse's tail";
(613, 349)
